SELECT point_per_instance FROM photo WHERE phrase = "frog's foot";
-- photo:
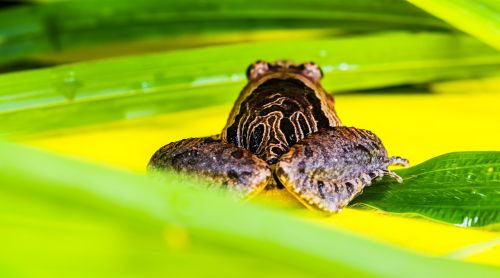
(399, 161)
(393, 160)
(329, 168)
(379, 173)
(218, 163)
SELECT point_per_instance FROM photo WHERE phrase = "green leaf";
(83, 93)
(479, 18)
(63, 200)
(459, 188)
(69, 25)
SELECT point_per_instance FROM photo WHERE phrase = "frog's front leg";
(327, 169)
(220, 164)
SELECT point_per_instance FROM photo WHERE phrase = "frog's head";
(261, 68)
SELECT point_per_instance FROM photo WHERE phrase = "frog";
(283, 132)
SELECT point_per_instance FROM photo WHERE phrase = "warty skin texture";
(284, 125)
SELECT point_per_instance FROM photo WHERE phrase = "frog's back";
(276, 111)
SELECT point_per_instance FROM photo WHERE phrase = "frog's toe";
(222, 165)
(380, 173)
(399, 161)
(394, 176)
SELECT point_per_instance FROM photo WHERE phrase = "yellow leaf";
(453, 116)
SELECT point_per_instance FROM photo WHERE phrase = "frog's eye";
(312, 71)
(257, 69)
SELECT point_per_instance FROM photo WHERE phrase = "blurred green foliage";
(64, 218)
(147, 85)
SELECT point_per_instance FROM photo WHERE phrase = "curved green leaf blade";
(480, 18)
(265, 234)
(65, 26)
(83, 93)
(459, 188)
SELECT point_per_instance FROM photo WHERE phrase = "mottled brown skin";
(224, 164)
(329, 168)
(284, 123)
(281, 104)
